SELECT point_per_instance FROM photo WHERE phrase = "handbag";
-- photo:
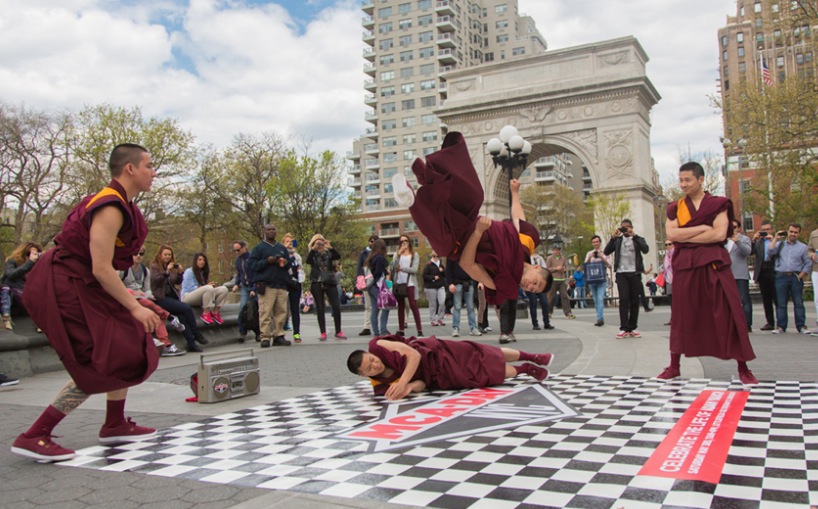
(366, 281)
(386, 299)
(595, 273)
(660, 280)
(401, 290)
(328, 278)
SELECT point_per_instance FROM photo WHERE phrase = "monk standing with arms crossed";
(74, 294)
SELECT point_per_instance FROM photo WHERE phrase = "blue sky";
(224, 67)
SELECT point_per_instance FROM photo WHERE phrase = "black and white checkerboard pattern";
(590, 461)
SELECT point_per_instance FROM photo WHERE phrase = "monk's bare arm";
(467, 259)
(105, 226)
(718, 233)
(403, 386)
(517, 212)
(675, 233)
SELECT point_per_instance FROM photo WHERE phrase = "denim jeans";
(7, 295)
(461, 293)
(598, 293)
(746, 303)
(579, 296)
(245, 296)
(786, 287)
(542, 299)
(378, 328)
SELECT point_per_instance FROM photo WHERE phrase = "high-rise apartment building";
(766, 43)
(410, 45)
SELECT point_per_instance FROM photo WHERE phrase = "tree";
(253, 162)
(34, 155)
(554, 209)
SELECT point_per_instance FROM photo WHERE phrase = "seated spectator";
(18, 265)
(137, 280)
(198, 290)
(165, 274)
(307, 302)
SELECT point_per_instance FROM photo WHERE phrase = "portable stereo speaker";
(228, 375)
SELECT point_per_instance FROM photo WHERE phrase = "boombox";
(228, 375)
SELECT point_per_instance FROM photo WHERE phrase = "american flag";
(766, 75)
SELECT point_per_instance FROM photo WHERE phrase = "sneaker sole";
(402, 192)
(41, 458)
(174, 354)
(9, 384)
(127, 438)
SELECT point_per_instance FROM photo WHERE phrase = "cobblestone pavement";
(579, 348)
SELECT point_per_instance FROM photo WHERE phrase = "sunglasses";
(236, 250)
(141, 253)
(668, 245)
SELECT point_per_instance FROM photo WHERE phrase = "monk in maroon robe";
(708, 318)
(397, 366)
(74, 294)
(446, 210)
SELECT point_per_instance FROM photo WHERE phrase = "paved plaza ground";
(587, 358)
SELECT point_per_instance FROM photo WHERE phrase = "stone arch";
(592, 100)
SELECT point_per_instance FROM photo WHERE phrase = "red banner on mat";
(696, 448)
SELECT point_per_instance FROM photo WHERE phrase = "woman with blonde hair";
(18, 265)
(323, 283)
(404, 271)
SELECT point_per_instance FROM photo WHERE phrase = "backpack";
(249, 315)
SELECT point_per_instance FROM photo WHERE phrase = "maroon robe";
(102, 346)
(444, 365)
(708, 318)
(446, 209)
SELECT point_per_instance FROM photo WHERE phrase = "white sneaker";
(475, 332)
(404, 194)
(455, 332)
(156, 342)
(171, 351)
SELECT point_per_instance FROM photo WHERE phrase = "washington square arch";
(592, 100)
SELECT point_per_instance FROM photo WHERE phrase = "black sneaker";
(280, 341)
(537, 327)
(365, 332)
(548, 327)
(193, 347)
(265, 343)
(201, 340)
(6, 381)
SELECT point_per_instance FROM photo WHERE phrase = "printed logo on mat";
(696, 448)
(467, 413)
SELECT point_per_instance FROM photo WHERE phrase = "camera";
(781, 234)
(596, 254)
(176, 266)
(624, 229)
(762, 234)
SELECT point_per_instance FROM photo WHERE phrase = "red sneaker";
(128, 431)
(669, 373)
(635, 334)
(323, 336)
(544, 359)
(747, 378)
(535, 371)
(41, 449)
(207, 317)
(217, 317)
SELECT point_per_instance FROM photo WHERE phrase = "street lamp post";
(509, 151)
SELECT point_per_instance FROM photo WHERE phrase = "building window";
(725, 71)
(405, 40)
(740, 37)
(386, 44)
(385, 28)
(426, 52)
(498, 9)
(387, 91)
(406, 56)
(503, 23)
(424, 4)
(779, 61)
(408, 139)
(404, 24)
(410, 155)
(426, 19)
(518, 51)
(724, 56)
(387, 108)
(387, 59)
(384, 12)
(428, 84)
(741, 51)
(387, 75)
(390, 203)
(759, 37)
(724, 41)
(426, 36)
(404, 8)
(389, 172)
(759, 22)
(429, 150)
(427, 69)
(777, 33)
(741, 11)
(774, 7)
(388, 125)
(390, 141)
(502, 38)
(408, 121)
(430, 136)
(390, 157)
(428, 119)
(799, 58)
(742, 67)
(427, 102)
(407, 88)
(408, 104)
(406, 72)
(757, 7)
(488, 57)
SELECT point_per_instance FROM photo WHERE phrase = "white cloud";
(251, 67)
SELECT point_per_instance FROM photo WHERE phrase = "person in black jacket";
(270, 262)
(434, 279)
(378, 266)
(18, 265)
(366, 331)
(323, 282)
(764, 272)
(629, 248)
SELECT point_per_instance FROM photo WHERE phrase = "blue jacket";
(273, 275)
(244, 273)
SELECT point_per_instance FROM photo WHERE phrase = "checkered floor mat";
(587, 461)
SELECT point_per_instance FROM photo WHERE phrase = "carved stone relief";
(587, 140)
(612, 59)
(620, 153)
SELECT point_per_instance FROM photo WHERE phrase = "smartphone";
(295, 243)
(762, 234)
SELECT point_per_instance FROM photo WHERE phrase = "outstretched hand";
(398, 390)
(514, 185)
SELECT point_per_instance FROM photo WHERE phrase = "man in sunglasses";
(243, 283)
